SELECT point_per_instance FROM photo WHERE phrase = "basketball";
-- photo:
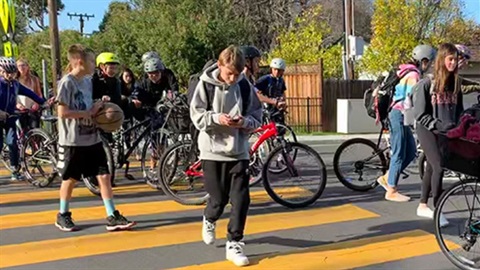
(109, 118)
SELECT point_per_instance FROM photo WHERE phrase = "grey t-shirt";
(77, 95)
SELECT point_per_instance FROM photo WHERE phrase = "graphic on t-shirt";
(85, 126)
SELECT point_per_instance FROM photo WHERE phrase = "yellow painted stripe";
(132, 209)
(345, 255)
(35, 195)
(89, 245)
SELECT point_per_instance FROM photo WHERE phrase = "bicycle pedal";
(129, 177)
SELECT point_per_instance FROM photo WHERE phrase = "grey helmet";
(8, 65)
(424, 52)
(149, 55)
(153, 64)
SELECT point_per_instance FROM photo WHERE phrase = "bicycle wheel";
(91, 182)
(289, 136)
(184, 189)
(39, 158)
(258, 158)
(151, 153)
(297, 191)
(458, 240)
(374, 159)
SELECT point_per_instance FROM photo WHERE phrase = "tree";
(186, 33)
(400, 25)
(303, 43)
(31, 49)
(35, 11)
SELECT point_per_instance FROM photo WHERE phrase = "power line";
(81, 19)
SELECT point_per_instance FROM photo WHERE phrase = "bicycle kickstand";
(127, 175)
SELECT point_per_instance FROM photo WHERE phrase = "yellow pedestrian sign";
(10, 49)
(4, 15)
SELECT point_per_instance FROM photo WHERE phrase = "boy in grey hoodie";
(224, 147)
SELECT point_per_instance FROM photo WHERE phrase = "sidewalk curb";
(335, 138)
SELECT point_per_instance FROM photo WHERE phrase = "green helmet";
(107, 58)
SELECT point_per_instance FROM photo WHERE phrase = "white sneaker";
(425, 212)
(443, 221)
(208, 232)
(235, 253)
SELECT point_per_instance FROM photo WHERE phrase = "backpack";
(381, 102)
(210, 89)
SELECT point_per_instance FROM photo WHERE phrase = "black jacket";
(150, 93)
(107, 86)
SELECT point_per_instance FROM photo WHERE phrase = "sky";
(99, 7)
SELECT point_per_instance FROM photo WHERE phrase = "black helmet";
(250, 51)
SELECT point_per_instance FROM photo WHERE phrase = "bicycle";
(463, 157)
(192, 169)
(20, 133)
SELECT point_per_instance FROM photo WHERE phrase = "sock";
(64, 206)
(109, 206)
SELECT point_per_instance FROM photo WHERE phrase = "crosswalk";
(28, 239)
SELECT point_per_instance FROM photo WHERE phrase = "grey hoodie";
(217, 142)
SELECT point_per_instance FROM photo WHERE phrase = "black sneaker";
(119, 222)
(65, 222)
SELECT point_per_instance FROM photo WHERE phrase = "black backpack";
(210, 89)
(378, 106)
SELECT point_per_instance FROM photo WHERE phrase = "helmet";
(278, 63)
(464, 51)
(149, 55)
(423, 52)
(250, 52)
(107, 58)
(8, 65)
(153, 65)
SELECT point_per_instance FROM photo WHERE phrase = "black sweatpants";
(432, 179)
(226, 181)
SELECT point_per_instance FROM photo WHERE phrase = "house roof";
(475, 53)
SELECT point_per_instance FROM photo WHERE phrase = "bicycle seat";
(49, 118)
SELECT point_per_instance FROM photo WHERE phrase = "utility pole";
(81, 19)
(348, 14)
(54, 43)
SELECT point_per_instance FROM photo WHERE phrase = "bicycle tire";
(436, 217)
(91, 182)
(336, 165)
(166, 179)
(278, 198)
(52, 155)
(143, 164)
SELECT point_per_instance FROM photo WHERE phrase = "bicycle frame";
(268, 131)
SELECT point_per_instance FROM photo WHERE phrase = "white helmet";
(278, 63)
(8, 65)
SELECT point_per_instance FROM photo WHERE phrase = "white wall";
(352, 116)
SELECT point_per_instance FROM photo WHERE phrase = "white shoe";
(208, 232)
(443, 221)
(425, 212)
(235, 253)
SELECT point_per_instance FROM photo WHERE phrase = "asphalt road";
(342, 230)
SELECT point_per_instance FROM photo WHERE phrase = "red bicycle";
(181, 176)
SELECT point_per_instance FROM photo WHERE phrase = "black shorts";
(77, 161)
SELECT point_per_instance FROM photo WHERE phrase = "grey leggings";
(432, 179)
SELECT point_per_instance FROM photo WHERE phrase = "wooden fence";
(312, 101)
(339, 89)
(304, 96)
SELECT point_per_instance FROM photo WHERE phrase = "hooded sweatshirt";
(404, 88)
(217, 142)
(437, 111)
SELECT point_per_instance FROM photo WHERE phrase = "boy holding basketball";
(223, 143)
(80, 146)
